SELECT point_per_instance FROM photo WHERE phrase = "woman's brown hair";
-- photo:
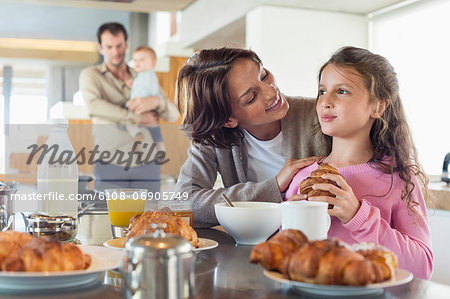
(390, 134)
(203, 96)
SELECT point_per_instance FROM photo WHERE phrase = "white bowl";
(249, 222)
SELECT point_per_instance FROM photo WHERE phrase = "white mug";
(310, 217)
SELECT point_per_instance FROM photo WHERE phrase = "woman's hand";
(292, 166)
(345, 204)
(141, 105)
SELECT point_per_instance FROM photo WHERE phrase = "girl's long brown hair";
(390, 134)
(203, 98)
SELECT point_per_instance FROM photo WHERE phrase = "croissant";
(329, 262)
(315, 178)
(141, 224)
(16, 238)
(11, 241)
(5, 250)
(275, 253)
(304, 263)
(384, 261)
(45, 254)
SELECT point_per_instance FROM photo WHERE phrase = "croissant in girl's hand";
(316, 178)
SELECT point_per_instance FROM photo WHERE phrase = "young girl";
(380, 200)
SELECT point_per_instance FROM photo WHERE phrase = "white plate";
(203, 244)
(401, 277)
(102, 259)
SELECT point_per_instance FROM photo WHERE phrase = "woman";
(241, 126)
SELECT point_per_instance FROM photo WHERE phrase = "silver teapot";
(158, 266)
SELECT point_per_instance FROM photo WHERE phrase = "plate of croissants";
(142, 224)
(31, 263)
(328, 267)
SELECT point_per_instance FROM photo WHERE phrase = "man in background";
(106, 93)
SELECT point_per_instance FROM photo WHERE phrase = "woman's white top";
(265, 158)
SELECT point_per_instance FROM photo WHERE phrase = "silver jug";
(158, 266)
(6, 208)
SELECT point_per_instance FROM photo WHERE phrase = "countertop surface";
(440, 194)
(224, 272)
(436, 184)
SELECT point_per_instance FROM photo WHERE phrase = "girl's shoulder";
(310, 168)
(377, 172)
(305, 172)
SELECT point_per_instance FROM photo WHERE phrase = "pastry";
(142, 224)
(328, 261)
(315, 178)
(275, 253)
(31, 254)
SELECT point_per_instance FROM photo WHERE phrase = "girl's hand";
(298, 197)
(345, 204)
(292, 166)
(141, 105)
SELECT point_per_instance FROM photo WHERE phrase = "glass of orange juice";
(122, 205)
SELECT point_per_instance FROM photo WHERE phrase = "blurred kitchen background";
(44, 44)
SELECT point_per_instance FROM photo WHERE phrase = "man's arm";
(166, 109)
(97, 106)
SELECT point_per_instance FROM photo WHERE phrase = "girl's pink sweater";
(383, 218)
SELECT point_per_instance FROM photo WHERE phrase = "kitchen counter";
(224, 272)
(440, 194)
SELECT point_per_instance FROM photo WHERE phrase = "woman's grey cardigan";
(199, 172)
